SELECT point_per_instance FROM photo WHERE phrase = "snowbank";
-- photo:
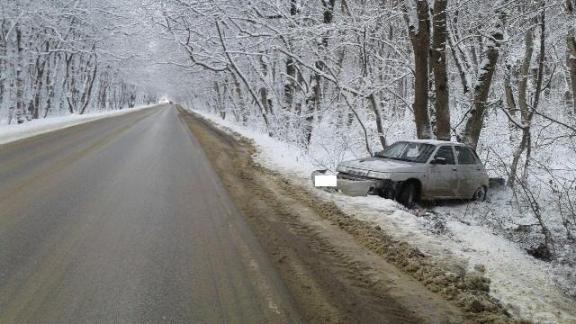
(523, 284)
(11, 133)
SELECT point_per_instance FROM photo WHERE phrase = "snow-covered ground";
(14, 132)
(451, 234)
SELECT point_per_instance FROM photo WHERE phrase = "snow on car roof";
(433, 142)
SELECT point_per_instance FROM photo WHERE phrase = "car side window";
(465, 155)
(447, 153)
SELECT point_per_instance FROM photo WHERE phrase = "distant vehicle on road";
(410, 171)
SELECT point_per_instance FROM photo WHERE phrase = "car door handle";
(454, 169)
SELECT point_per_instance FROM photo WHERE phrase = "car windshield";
(407, 151)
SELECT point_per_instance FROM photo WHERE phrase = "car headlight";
(378, 175)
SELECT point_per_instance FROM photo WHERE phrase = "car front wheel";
(409, 195)
(480, 194)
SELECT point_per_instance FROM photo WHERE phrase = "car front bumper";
(383, 187)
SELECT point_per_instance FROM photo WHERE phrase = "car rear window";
(466, 156)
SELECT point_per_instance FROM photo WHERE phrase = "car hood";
(381, 165)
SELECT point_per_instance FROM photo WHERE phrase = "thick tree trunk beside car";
(420, 38)
(440, 70)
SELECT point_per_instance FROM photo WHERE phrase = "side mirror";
(379, 154)
(440, 161)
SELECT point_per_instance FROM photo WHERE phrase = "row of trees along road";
(57, 57)
(437, 59)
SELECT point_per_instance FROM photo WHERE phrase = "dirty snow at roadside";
(522, 283)
(15, 132)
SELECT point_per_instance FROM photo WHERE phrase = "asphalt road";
(123, 220)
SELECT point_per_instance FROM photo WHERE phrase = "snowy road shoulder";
(520, 282)
(12, 133)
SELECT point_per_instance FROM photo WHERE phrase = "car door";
(443, 178)
(469, 171)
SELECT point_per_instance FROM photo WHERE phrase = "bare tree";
(420, 37)
(571, 49)
(475, 121)
(440, 69)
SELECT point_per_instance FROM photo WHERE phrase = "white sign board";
(325, 181)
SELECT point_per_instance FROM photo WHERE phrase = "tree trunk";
(69, 82)
(510, 101)
(475, 120)
(290, 88)
(35, 106)
(3, 63)
(510, 104)
(19, 76)
(89, 85)
(220, 107)
(328, 18)
(379, 126)
(49, 87)
(571, 52)
(291, 70)
(524, 76)
(264, 92)
(527, 112)
(241, 100)
(442, 103)
(420, 38)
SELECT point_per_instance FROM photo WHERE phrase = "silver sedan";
(410, 171)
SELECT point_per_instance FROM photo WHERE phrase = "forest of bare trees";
(447, 64)
(59, 57)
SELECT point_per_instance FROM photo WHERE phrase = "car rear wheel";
(409, 196)
(480, 194)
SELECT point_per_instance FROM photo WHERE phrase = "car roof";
(433, 142)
